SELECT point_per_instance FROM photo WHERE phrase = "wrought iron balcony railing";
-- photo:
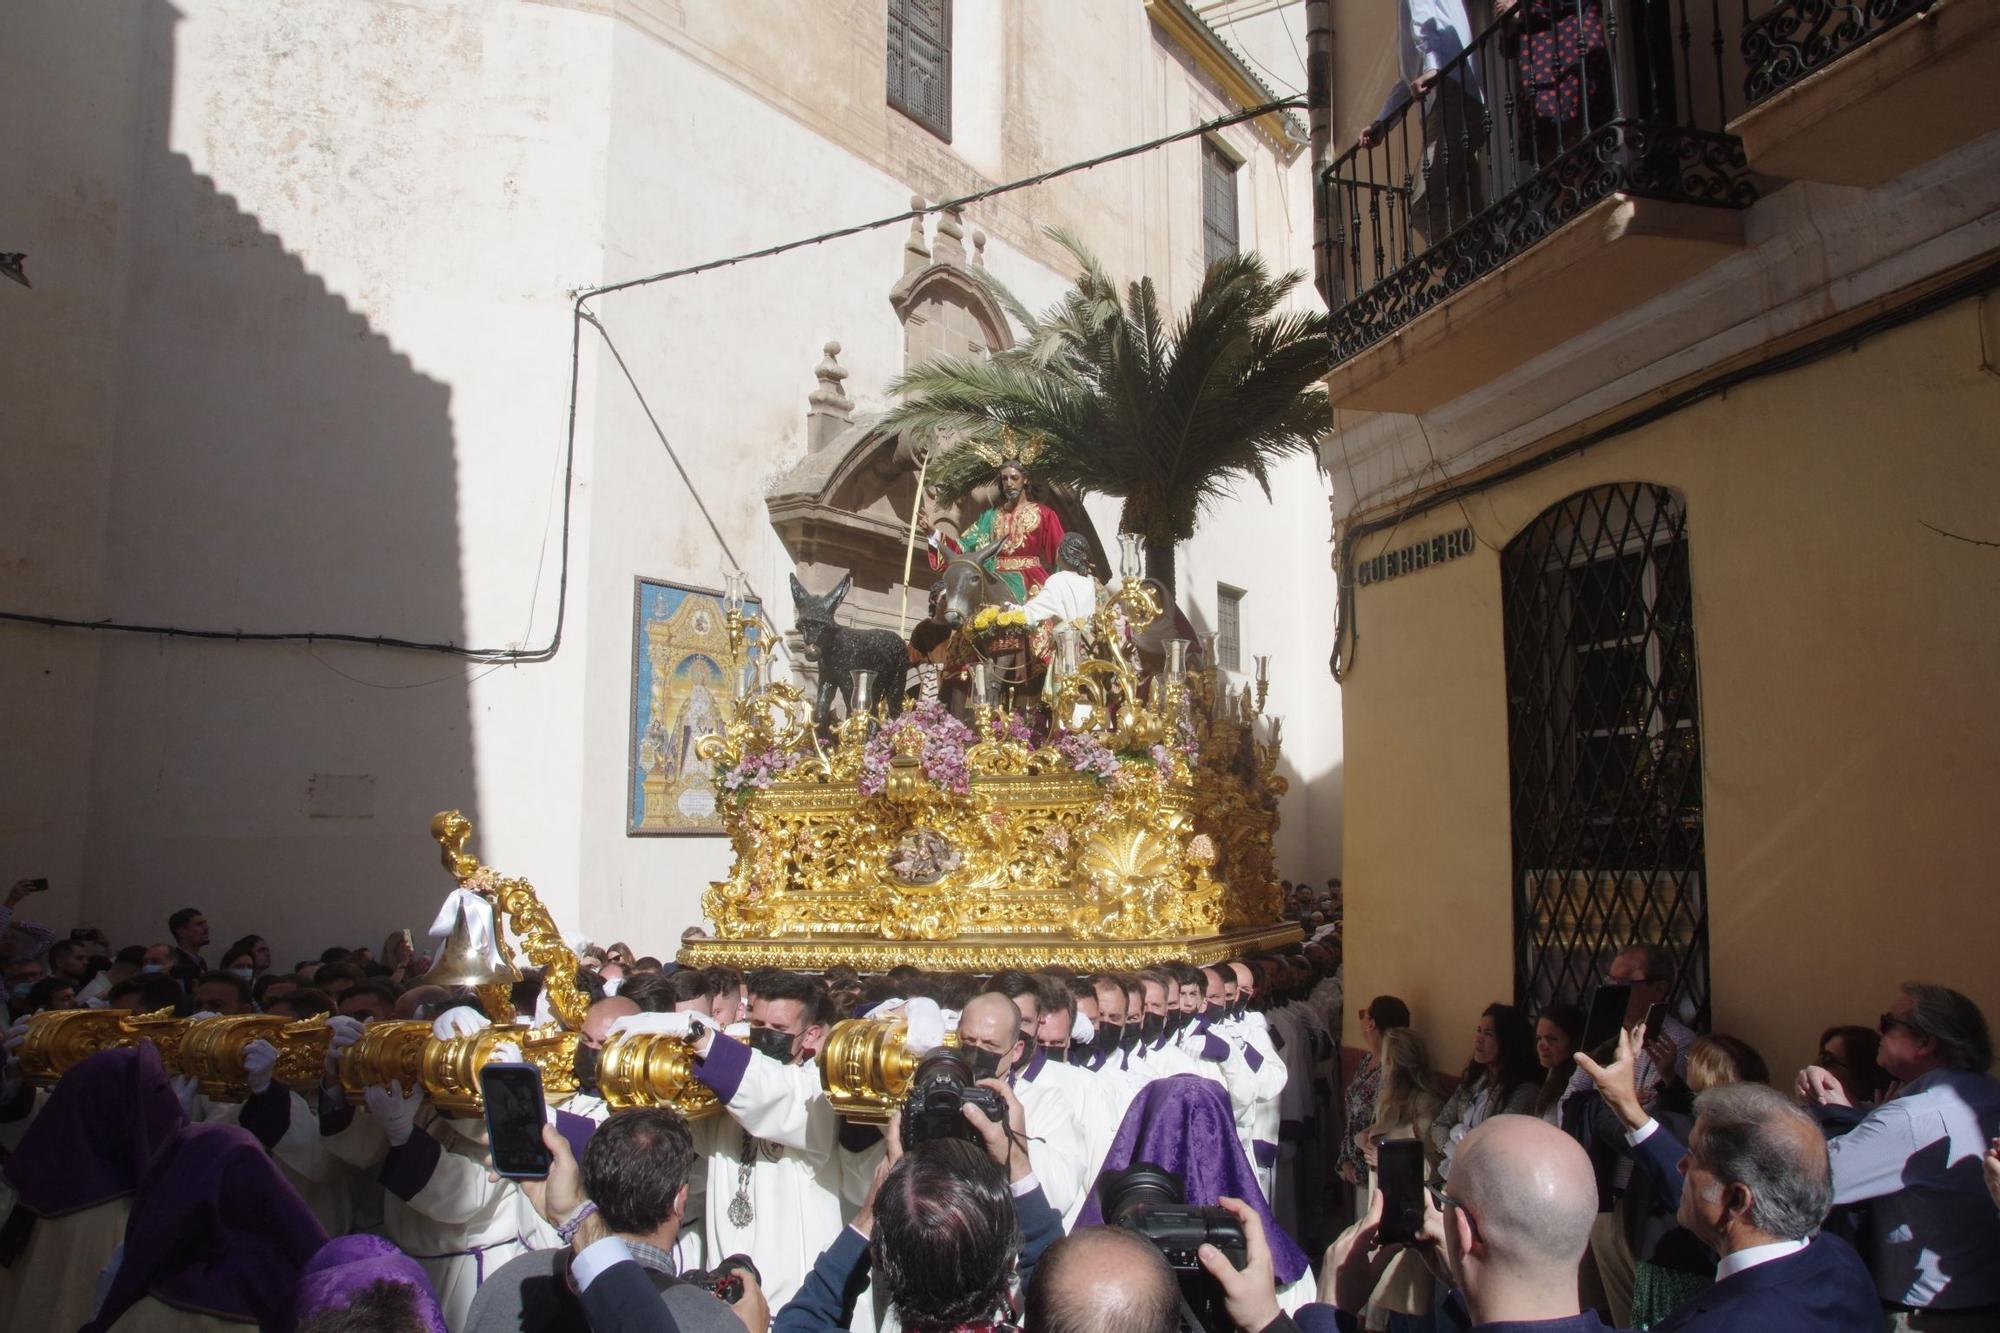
(1794, 38)
(1556, 106)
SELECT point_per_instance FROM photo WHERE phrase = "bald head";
(417, 997)
(1532, 1196)
(990, 1020)
(597, 1023)
(1103, 1280)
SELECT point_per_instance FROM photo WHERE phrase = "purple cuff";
(723, 1068)
(1253, 1057)
(1315, 1317)
(268, 1114)
(577, 1129)
(1214, 1049)
(1265, 1153)
(410, 1166)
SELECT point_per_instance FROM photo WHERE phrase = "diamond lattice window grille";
(1604, 744)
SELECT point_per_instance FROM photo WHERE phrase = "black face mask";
(586, 1069)
(1128, 1036)
(1215, 1011)
(1153, 1027)
(771, 1042)
(985, 1063)
(1236, 1007)
(1055, 1052)
(1105, 1039)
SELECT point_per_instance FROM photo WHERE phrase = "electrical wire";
(577, 317)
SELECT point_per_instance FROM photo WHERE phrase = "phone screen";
(1399, 1171)
(1607, 1016)
(514, 1119)
(1654, 1017)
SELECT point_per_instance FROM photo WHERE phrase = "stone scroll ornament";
(842, 651)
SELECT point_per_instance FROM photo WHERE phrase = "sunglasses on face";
(1886, 1022)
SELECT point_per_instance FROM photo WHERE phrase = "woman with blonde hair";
(1404, 1109)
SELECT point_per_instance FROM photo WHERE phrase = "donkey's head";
(815, 614)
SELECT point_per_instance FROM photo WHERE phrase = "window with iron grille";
(1604, 745)
(1229, 627)
(920, 62)
(1218, 204)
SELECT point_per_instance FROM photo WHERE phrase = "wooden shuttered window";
(920, 62)
(1218, 204)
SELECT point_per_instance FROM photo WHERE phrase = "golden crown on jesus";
(1020, 453)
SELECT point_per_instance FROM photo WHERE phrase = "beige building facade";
(1663, 592)
(300, 358)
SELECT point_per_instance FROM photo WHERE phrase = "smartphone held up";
(515, 1115)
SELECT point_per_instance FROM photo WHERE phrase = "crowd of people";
(1661, 1180)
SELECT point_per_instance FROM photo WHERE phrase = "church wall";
(300, 360)
(330, 397)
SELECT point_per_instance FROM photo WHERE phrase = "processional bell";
(468, 958)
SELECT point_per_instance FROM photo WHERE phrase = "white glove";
(206, 1013)
(923, 1026)
(462, 1021)
(188, 1088)
(506, 1052)
(394, 1110)
(1082, 1030)
(611, 985)
(950, 1020)
(346, 1031)
(260, 1058)
(740, 1030)
(684, 1025)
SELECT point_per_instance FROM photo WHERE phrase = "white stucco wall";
(300, 360)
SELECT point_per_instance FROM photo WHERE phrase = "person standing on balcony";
(1432, 37)
(1562, 74)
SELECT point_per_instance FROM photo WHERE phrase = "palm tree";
(1167, 419)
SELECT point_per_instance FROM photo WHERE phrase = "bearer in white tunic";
(774, 1161)
(994, 1041)
(1248, 1029)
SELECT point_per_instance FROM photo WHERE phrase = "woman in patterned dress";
(1381, 1013)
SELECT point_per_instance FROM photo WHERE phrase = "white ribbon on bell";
(477, 912)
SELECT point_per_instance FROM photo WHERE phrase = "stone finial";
(949, 247)
(916, 254)
(830, 411)
(978, 248)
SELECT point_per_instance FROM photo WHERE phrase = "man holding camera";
(774, 1167)
(635, 1177)
(938, 1229)
(996, 1043)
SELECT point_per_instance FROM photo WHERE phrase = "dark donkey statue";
(843, 651)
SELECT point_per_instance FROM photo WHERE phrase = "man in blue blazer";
(1754, 1183)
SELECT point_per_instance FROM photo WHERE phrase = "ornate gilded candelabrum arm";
(540, 939)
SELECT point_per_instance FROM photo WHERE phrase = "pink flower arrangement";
(759, 769)
(1086, 753)
(945, 742)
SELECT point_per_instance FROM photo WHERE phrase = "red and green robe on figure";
(1029, 534)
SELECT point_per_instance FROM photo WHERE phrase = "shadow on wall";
(275, 464)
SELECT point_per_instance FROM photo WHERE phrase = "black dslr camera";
(1147, 1199)
(942, 1085)
(725, 1280)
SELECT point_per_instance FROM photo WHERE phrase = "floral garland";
(992, 625)
(945, 742)
(1088, 754)
(759, 769)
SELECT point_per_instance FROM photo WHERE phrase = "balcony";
(1860, 93)
(1569, 165)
